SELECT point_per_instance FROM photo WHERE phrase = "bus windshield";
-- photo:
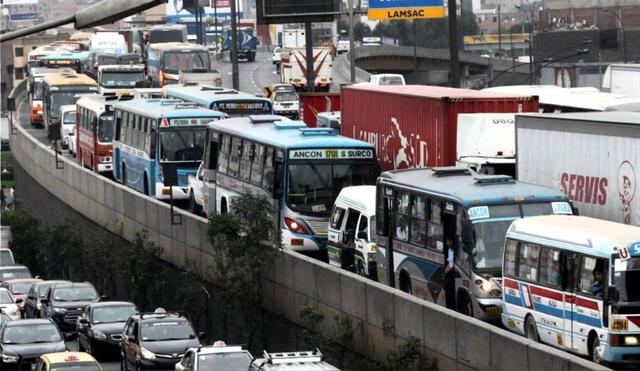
(626, 277)
(487, 252)
(121, 79)
(173, 62)
(181, 144)
(105, 128)
(314, 186)
(38, 89)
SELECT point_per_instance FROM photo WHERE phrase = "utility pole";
(311, 76)
(234, 47)
(352, 57)
(454, 53)
(415, 48)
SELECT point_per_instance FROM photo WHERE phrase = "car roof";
(61, 357)
(13, 267)
(22, 280)
(154, 317)
(29, 322)
(224, 349)
(111, 304)
(72, 284)
(52, 282)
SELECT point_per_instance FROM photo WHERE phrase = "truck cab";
(120, 78)
(387, 79)
(486, 143)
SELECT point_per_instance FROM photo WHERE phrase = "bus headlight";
(630, 340)
(488, 287)
(40, 112)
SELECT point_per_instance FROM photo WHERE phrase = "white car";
(8, 306)
(387, 79)
(276, 57)
(68, 127)
(220, 356)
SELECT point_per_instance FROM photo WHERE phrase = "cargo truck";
(247, 43)
(594, 158)
(622, 79)
(486, 142)
(294, 66)
(415, 126)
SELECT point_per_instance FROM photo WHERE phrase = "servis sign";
(405, 9)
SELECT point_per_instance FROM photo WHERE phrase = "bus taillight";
(295, 227)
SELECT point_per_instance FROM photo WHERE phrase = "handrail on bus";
(165, 102)
(493, 179)
(318, 131)
(186, 105)
(293, 124)
(450, 170)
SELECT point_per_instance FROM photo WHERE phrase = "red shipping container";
(414, 126)
(313, 103)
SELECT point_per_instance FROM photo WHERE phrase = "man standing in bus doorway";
(449, 274)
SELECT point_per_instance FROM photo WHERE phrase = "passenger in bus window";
(449, 274)
(597, 286)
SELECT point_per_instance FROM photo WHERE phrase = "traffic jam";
(516, 205)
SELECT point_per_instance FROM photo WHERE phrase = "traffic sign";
(405, 9)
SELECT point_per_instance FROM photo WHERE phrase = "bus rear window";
(543, 208)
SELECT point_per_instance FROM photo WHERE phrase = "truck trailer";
(593, 157)
(294, 66)
(414, 126)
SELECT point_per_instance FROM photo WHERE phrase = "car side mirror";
(44, 301)
(19, 301)
(362, 235)
(202, 335)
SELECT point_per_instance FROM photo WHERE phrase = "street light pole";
(352, 57)
(235, 71)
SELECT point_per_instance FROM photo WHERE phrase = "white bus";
(573, 282)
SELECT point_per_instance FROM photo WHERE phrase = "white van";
(351, 244)
(68, 127)
(387, 79)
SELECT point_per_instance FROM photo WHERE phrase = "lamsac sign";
(405, 9)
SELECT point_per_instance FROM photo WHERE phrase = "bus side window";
(125, 127)
(401, 222)
(363, 228)
(223, 157)
(153, 140)
(234, 157)
(592, 276)
(382, 224)
(436, 230)
(550, 267)
(528, 261)
(269, 170)
(336, 217)
(245, 161)
(118, 127)
(418, 221)
(510, 258)
(257, 165)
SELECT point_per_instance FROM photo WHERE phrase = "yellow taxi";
(64, 361)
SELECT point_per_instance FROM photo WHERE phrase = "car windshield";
(83, 366)
(14, 273)
(69, 118)
(5, 297)
(112, 314)
(121, 79)
(42, 288)
(160, 331)
(75, 294)
(237, 361)
(186, 61)
(29, 334)
(38, 89)
(314, 186)
(487, 251)
(626, 277)
(6, 258)
(391, 80)
(280, 97)
(182, 145)
(105, 128)
(21, 287)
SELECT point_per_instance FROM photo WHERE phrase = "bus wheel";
(193, 206)
(464, 305)
(405, 282)
(360, 269)
(530, 329)
(594, 348)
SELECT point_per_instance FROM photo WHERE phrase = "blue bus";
(231, 102)
(73, 60)
(158, 143)
(301, 169)
(418, 210)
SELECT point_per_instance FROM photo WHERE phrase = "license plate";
(493, 311)
(620, 325)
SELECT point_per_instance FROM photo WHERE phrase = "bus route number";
(620, 325)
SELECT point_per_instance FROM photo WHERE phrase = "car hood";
(109, 328)
(33, 350)
(79, 305)
(172, 346)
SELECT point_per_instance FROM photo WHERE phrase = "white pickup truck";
(196, 191)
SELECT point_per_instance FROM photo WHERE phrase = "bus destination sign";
(331, 154)
(241, 106)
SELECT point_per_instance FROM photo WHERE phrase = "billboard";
(296, 11)
(23, 17)
(179, 9)
(405, 9)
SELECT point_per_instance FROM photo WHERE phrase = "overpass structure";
(431, 66)
(384, 317)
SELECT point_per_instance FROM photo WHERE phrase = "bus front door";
(571, 271)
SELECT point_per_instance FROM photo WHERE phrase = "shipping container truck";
(622, 79)
(247, 43)
(414, 126)
(486, 142)
(592, 157)
(294, 66)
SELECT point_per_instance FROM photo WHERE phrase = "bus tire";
(594, 346)
(405, 282)
(530, 329)
(193, 206)
(465, 306)
(360, 269)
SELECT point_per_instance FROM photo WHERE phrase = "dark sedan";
(32, 306)
(100, 326)
(64, 302)
(24, 341)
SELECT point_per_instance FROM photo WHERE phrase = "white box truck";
(294, 65)
(486, 142)
(594, 157)
(622, 79)
(294, 38)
